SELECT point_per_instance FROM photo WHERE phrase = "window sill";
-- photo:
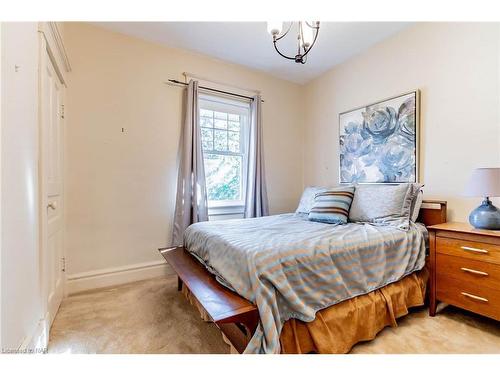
(226, 210)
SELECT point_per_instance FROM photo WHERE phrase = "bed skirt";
(338, 328)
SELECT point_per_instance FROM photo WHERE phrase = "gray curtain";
(191, 204)
(256, 203)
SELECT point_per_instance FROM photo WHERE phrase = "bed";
(286, 284)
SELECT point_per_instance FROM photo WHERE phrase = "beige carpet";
(152, 317)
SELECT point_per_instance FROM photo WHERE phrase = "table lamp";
(484, 182)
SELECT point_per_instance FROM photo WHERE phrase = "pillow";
(417, 203)
(384, 204)
(332, 206)
(307, 199)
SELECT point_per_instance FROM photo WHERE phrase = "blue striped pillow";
(332, 206)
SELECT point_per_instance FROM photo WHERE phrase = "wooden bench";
(235, 316)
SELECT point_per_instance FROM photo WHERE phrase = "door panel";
(52, 220)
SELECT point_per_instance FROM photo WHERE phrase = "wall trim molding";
(55, 48)
(83, 281)
(56, 36)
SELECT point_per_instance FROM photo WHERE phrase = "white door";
(51, 154)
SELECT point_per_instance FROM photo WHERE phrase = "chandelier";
(307, 33)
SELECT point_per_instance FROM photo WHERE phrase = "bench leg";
(179, 284)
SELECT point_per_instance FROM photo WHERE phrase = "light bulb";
(274, 27)
(307, 35)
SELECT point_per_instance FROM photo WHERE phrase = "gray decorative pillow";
(384, 204)
(307, 199)
(332, 206)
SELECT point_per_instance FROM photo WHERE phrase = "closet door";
(51, 178)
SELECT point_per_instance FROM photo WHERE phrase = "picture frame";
(380, 142)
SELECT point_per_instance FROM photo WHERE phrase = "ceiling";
(249, 43)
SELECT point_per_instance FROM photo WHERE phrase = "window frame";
(237, 107)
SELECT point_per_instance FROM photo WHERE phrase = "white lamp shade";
(484, 182)
(274, 27)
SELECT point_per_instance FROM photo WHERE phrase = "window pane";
(233, 126)
(220, 115)
(223, 175)
(207, 139)
(233, 141)
(220, 124)
(206, 122)
(234, 117)
(206, 112)
(220, 141)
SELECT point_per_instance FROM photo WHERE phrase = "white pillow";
(384, 204)
(307, 199)
(416, 206)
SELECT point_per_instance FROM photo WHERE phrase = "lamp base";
(486, 216)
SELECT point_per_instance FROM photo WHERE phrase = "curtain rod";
(188, 76)
(214, 90)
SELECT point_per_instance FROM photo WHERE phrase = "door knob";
(52, 205)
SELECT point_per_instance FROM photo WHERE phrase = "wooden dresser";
(465, 268)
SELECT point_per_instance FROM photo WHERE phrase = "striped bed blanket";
(291, 267)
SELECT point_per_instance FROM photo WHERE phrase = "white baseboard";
(83, 281)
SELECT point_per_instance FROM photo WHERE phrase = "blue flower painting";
(378, 143)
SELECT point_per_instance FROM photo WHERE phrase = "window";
(224, 128)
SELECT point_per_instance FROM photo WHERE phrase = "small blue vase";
(486, 216)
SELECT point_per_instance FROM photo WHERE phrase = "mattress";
(291, 267)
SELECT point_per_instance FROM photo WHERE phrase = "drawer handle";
(474, 297)
(474, 271)
(473, 249)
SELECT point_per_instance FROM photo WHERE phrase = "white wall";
(456, 67)
(20, 303)
(120, 187)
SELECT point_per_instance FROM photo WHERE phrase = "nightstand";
(465, 268)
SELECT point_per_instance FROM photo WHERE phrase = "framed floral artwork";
(379, 142)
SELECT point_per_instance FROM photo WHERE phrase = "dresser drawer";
(467, 295)
(468, 270)
(468, 249)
